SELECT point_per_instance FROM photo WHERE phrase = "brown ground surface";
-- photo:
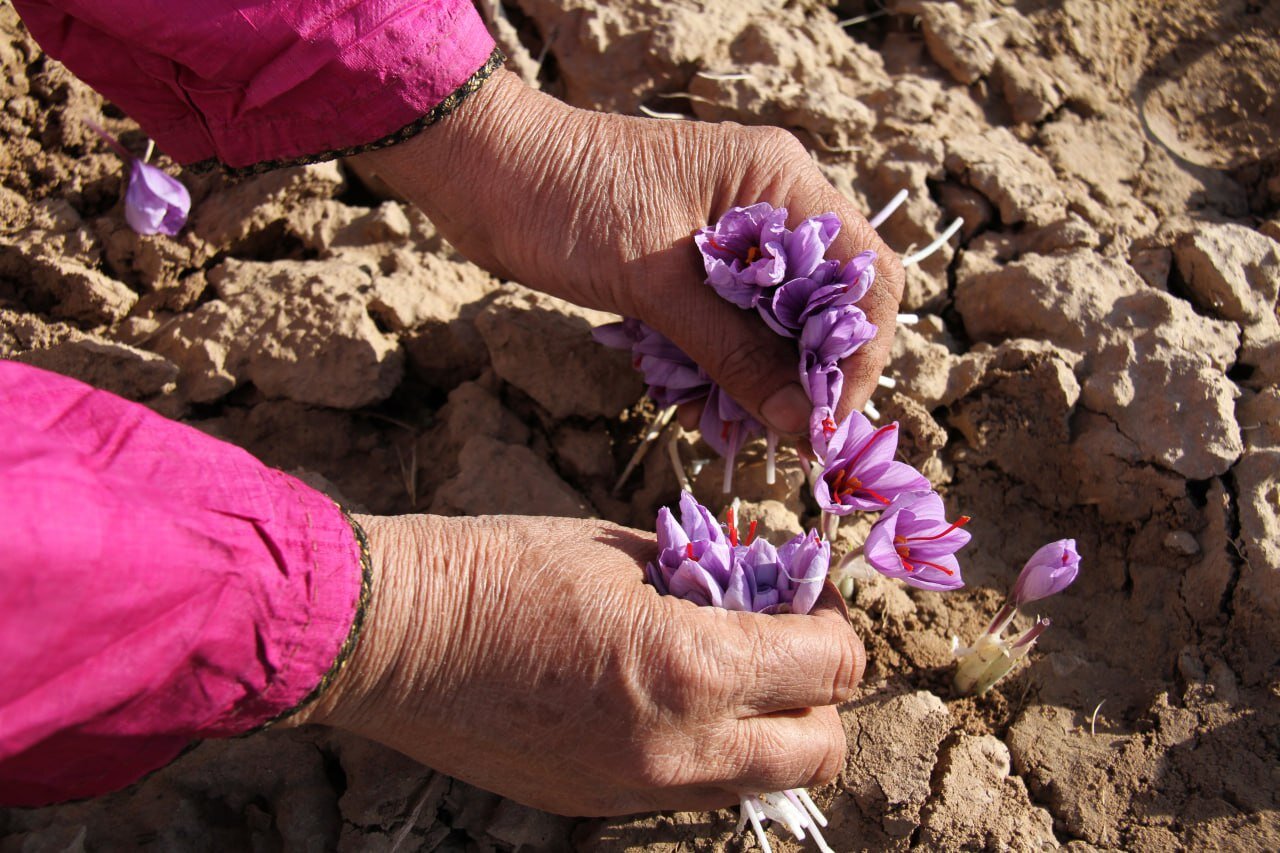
(1098, 358)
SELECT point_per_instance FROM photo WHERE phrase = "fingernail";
(787, 411)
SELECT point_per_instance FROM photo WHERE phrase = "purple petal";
(621, 335)
(693, 582)
(1050, 570)
(739, 593)
(670, 534)
(807, 244)
(155, 202)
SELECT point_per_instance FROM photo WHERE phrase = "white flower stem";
(770, 457)
(673, 453)
(749, 809)
(812, 808)
(887, 382)
(656, 426)
(917, 257)
(908, 319)
(888, 209)
(871, 411)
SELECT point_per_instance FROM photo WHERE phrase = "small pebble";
(1181, 542)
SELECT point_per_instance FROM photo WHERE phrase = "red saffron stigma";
(688, 551)
(733, 526)
(942, 569)
(751, 532)
(828, 425)
(959, 522)
(870, 441)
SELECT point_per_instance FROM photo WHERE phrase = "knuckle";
(830, 761)
(848, 664)
(764, 759)
(693, 682)
(782, 144)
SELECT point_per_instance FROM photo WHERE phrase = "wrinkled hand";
(526, 656)
(600, 210)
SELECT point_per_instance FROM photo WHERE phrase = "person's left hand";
(600, 210)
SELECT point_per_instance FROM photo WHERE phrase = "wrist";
(387, 619)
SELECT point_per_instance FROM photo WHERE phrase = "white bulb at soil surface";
(992, 657)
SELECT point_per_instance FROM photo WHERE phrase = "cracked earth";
(1098, 356)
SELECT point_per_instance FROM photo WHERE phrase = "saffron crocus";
(806, 246)
(830, 285)
(860, 472)
(1050, 570)
(155, 202)
(743, 253)
(672, 376)
(700, 561)
(828, 337)
(914, 541)
(803, 563)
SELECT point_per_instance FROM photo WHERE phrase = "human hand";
(528, 657)
(600, 210)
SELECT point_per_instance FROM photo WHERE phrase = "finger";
(777, 753)
(787, 662)
(756, 367)
(688, 798)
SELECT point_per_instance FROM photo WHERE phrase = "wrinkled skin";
(601, 209)
(527, 656)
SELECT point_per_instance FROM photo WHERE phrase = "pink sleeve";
(265, 81)
(156, 586)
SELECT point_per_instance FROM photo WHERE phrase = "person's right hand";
(528, 657)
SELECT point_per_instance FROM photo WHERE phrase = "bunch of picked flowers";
(755, 262)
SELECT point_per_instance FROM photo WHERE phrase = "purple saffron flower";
(822, 426)
(859, 471)
(703, 563)
(725, 425)
(803, 564)
(830, 285)
(753, 583)
(694, 556)
(832, 335)
(672, 376)
(913, 541)
(155, 202)
(1049, 571)
(806, 246)
(828, 337)
(743, 253)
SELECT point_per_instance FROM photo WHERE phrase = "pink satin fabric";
(268, 80)
(157, 586)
